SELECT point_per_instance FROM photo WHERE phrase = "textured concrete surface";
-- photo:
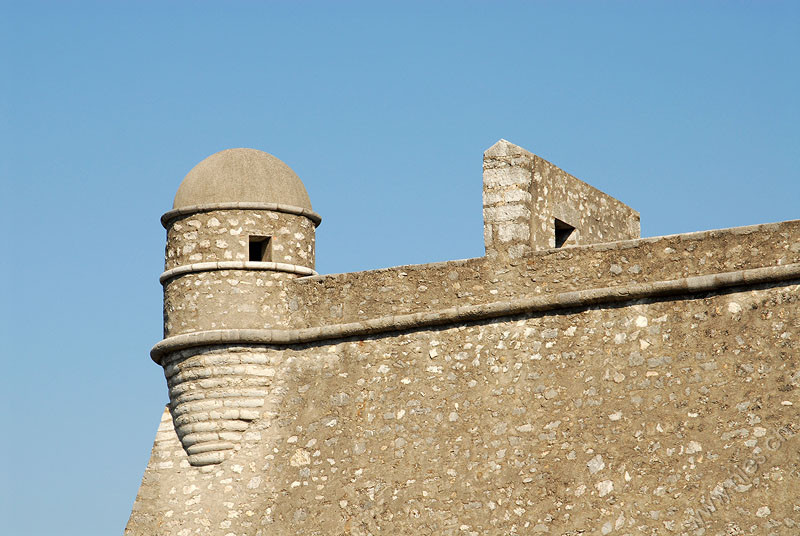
(637, 386)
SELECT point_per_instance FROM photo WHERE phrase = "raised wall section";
(524, 194)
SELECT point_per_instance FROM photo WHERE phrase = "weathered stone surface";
(644, 386)
(222, 235)
(524, 190)
(241, 175)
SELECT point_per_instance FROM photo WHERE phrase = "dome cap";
(241, 176)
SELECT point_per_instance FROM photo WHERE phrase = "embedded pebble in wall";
(604, 488)
(596, 464)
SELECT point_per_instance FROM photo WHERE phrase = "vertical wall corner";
(507, 176)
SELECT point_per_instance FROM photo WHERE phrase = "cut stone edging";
(167, 218)
(455, 315)
(235, 265)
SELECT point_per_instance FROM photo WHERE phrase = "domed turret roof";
(244, 176)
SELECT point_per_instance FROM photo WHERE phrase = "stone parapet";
(356, 297)
(472, 313)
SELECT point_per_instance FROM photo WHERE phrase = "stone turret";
(241, 227)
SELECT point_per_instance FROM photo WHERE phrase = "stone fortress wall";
(636, 386)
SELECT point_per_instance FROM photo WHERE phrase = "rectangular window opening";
(260, 250)
(563, 231)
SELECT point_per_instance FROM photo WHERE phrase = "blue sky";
(686, 111)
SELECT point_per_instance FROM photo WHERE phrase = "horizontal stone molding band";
(456, 315)
(235, 265)
(274, 207)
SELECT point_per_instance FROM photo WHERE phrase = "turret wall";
(223, 235)
(226, 299)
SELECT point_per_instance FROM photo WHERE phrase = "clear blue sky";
(686, 111)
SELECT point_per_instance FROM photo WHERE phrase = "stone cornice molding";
(171, 215)
(235, 265)
(469, 313)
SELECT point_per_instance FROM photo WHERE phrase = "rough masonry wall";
(356, 297)
(227, 299)
(523, 194)
(222, 235)
(654, 417)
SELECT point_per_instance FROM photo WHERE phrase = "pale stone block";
(512, 176)
(230, 436)
(199, 437)
(207, 458)
(188, 418)
(249, 414)
(519, 250)
(197, 406)
(516, 195)
(513, 232)
(204, 426)
(506, 213)
(230, 414)
(493, 197)
(503, 149)
(238, 426)
(244, 402)
(257, 370)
